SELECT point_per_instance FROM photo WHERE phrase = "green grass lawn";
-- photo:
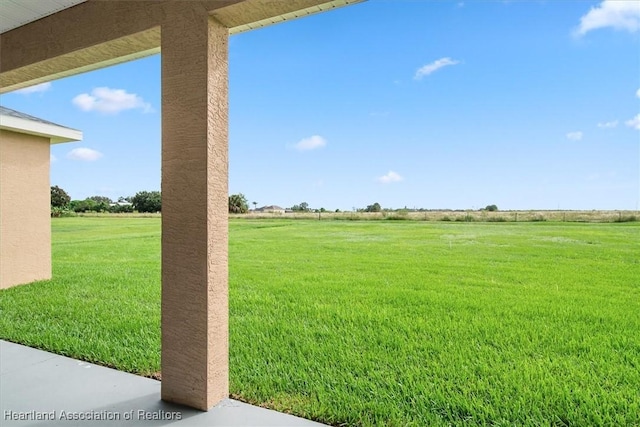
(373, 323)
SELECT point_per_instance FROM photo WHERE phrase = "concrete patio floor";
(38, 388)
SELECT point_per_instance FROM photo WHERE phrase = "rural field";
(373, 323)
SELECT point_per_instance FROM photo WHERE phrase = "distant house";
(271, 209)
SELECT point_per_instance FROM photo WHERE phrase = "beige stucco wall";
(25, 222)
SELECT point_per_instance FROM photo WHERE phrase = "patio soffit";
(252, 14)
(84, 35)
(15, 13)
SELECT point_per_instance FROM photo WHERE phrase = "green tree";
(101, 199)
(491, 208)
(59, 197)
(147, 201)
(302, 207)
(120, 208)
(82, 205)
(102, 203)
(74, 205)
(374, 208)
(238, 203)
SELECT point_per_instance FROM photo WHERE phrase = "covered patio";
(65, 37)
(41, 388)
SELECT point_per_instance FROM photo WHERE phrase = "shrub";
(397, 217)
(120, 208)
(496, 219)
(628, 218)
(466, 218)
(374, 207)
(147, 201)
(57, 212)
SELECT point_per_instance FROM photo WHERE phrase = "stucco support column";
(195, 362)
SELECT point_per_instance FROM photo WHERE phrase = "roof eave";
(244, 16)
(55, 134)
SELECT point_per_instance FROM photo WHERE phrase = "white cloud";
(575, 136)
(634, 123)
(111, 101)
(638, 93)
(608, 125)
(390, 177)
(311, 143)
(42, 87)
(620, 15)
(84, 154)
(434, 66)
(52, 158)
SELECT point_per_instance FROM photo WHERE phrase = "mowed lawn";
(373, 322)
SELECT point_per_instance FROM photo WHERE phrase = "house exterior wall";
(25, 219)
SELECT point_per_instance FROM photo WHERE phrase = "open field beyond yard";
(457, 216)
(373, 322)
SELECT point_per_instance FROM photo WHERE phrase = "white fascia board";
(292, 15)
(15, 13)
(56, 134)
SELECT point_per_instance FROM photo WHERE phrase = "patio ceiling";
(37, 44)
(253, 14)
(15, 13)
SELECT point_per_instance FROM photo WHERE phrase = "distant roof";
(24, 123)
(271, 208)
(13, 113)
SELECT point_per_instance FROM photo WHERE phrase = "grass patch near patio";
(103, 303)
(373, 322)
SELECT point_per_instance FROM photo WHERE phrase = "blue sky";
(432, 104)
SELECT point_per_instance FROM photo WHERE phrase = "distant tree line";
(151, 202)
(143, 201)
(238, 204)
(304, 207)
